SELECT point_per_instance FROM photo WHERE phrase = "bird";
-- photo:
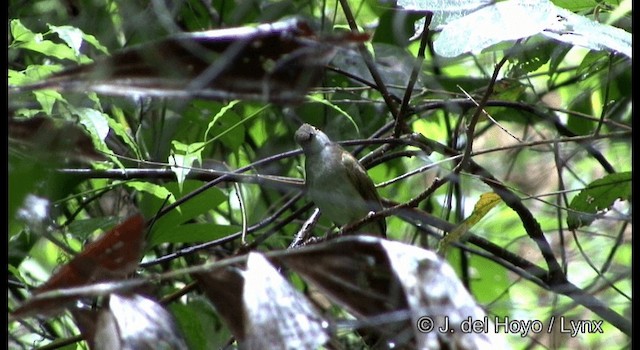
(337, 183)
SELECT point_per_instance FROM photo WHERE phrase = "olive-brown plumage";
(337, 183)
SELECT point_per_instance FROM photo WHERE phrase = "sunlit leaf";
(74, 37)
(157, 191)
(226, 126)
(506, 20)
(598, 196)
(122, 130)
(183, 157)
(47, 99)
(49, 48)
(320, 99)
(444, 11)
(581, 31)
(472, 27)
(19, 32)
(486, 202)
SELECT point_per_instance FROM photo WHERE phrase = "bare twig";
(368, 60)
(402, 114)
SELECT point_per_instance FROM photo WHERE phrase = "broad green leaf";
(486, 202)
(576, 5)
(182, 158)
(198, 205)
(191, 233)
(318, 98)
(489, 282)
(506, 20)
(229, 128)
(47, 99)
(593, 63)
(157, 191)
(49, 48)
(19, 32)
(598, 196)
(199, 323)
(94, 121)
(123, 130)
(74, 37)
(83, 228)
(32, 74)
(219, 115)
(582, 31)
(97, 125)
(534, 55)
(26, 39)
(443, 11)
(516, 19)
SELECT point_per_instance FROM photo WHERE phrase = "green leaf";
(582, 31)
(47, 99)
(123, 130)
(598, 196)
(219, 115)
(396, 27)
(20, 33)
(320, 99)
(83, 228)
(191, 233)
(32, 74)
(19, 246)
(97, 125)
(192, 208)
(486, 202)
(505, 20)
(95, 122)
(74, 37)
(182, 158)
(51, 49)
(576, 5)
(155, 190)
(199, 324)
(489, 285)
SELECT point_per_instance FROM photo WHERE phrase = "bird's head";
(311, 139)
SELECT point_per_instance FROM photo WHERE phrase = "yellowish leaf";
(486, 202)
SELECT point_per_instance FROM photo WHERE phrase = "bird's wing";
(363, 184)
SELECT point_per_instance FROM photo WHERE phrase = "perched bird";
(337, 183)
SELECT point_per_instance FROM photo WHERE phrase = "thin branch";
(471, 126)
(417, 66)
(368, 60)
